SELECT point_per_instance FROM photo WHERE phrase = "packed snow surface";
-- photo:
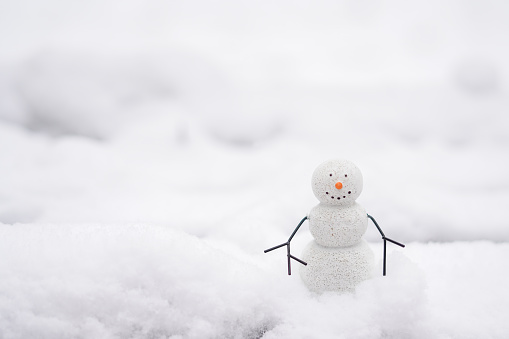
(151, 150)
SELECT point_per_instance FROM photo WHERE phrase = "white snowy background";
(151, 150)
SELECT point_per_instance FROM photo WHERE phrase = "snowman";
(338, 258)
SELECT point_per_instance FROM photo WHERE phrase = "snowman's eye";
(326, 192)
(349, 192)
(346, 175)
(330, 175)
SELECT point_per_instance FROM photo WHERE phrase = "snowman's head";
(337, 182)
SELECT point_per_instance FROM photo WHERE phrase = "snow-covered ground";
(146, 281)
(150, 151)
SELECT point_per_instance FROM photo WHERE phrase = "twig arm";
(275, 247)
(287, 244)
(297, 228)
(385, 242)
(378, 227)
(394, 242)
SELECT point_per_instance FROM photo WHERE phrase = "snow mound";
(125, 282)
(148, 281)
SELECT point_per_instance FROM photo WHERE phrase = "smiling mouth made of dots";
(349, 192)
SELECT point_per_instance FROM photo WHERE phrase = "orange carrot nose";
(339, 185)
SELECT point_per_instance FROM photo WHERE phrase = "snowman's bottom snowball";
(336, 268)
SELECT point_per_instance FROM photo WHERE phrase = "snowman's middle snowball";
(335, 226)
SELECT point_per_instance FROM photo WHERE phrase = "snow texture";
(139, 281)
(151, 150)
(338, 269)
(334, 226)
